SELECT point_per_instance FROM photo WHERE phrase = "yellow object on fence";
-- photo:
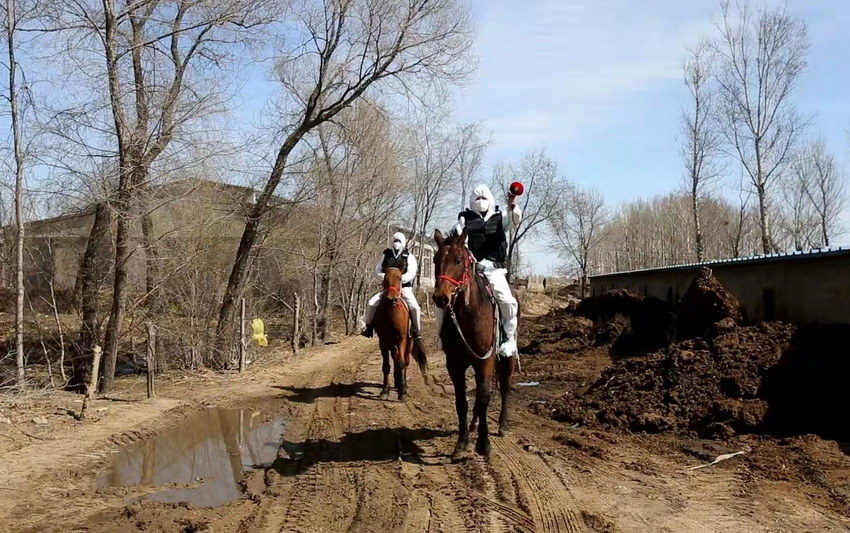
(259, 335)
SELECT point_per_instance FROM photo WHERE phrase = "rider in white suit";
(396, 256)
(486, 231)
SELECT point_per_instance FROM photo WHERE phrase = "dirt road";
(351, 462)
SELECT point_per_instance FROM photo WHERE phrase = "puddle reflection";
(209, 450)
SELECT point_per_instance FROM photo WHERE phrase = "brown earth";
(355, 463)
(705, 303)
(713, 388)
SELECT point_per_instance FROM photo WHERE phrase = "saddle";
(499, 333)
(396, 300)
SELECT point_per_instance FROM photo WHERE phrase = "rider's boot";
(509, 347)
(368, 331)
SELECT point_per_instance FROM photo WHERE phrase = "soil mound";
(609, 304)
(633, 324)
(712, 388)
(772, 377)
(558, 331)
(705, 303)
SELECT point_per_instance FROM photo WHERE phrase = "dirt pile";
(713, 388)
(632, 323)
(705, 303)
(722, 379)
(609, 304)
(558, 331)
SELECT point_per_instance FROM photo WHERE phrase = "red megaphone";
(516, 189)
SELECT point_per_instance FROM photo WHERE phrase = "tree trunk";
(89, 290)
(697, 226)
(151, 297)
(119, 284)
(150, 359)
(19, 193)
(324, 306)
(296, 323)
(238, 274)
(764, 221)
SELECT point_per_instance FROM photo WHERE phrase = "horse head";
(452, 266)
(392, 284)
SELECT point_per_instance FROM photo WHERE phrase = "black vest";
(485, 238)
(400, 262)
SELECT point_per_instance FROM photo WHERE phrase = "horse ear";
(438, 237)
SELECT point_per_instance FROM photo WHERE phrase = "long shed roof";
(815, 253)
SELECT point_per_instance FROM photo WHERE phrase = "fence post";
(92, 385)
(242, 337)
(296, 323)
(151, 359)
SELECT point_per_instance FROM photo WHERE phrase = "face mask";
(396, 245)
(482, 205)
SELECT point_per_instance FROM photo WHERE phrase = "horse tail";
(419, 355)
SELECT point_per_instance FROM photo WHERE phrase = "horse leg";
(458, 377)
(399, 370)
(483, 376)
(385, 367)
(506, 370)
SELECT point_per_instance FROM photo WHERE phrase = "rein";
(461, 285)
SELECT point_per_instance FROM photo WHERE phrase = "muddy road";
(351, 462)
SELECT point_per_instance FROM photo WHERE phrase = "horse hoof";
(402, 396)
(459, 455)
(482, 448)
(385, 395)
(503, 431)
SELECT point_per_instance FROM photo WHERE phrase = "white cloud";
(551, 69)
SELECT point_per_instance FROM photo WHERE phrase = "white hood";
(400, 236)
(482, 190)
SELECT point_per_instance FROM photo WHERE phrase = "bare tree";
(577, 228)
(760, 58)
(699, 142)
(543, 199)
(151, 51)
(434, 154)
(798, 218)
(357, 189)
(471, 154)
(347, 47)
(13, 16)
(826, 191)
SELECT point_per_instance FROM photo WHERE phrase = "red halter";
(465, 277)
(392, 292)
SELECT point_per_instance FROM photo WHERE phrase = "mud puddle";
(208, 452)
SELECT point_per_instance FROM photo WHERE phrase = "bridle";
(391, 293)
(460, 286)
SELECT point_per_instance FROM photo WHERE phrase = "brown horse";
(392, 323)
(469, 339)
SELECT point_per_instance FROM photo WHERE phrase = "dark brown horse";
(392, 323)
(469, 339)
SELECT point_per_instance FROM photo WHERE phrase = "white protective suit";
(406, 292)
(508, 306)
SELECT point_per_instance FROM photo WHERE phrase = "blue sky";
(598, 83)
